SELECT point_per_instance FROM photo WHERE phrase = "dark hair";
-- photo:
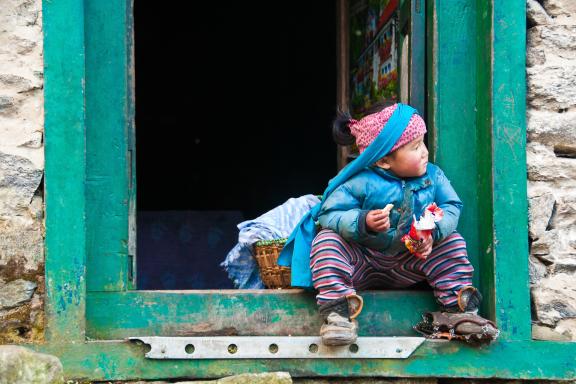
(340, 129)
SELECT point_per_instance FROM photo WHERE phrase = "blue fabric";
(296, 252)
(345, 210)
(277, 223)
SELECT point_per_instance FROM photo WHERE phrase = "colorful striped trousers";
(339, 268)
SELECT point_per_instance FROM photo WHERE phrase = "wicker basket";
(273, 275)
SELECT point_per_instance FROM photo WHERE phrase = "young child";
(366, 211)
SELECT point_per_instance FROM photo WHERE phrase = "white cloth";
(275, 224)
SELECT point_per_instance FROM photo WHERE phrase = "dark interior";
(234, 103)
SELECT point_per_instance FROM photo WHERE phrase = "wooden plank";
(455, 84)
(118, 360)
(418, 55)
(484, 150)
(509, 162)
(343, 70)
(64, 127)
(247, 312)
(431, 78)
(109, 112)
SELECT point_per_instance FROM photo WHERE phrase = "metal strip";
(281, 347)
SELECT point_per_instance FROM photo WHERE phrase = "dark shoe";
(340, 326)
(465, 326)
(460, 321)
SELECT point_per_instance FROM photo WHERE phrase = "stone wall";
(551, 74)
(551, 113)
(21, 171)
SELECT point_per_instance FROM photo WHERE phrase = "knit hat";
(369, 127)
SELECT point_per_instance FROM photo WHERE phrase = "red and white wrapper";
(422, 228)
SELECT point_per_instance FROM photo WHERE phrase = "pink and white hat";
(369, 127)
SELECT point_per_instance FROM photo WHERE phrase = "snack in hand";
(387, 208)
(422, 228)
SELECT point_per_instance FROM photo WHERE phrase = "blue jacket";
(345, 210)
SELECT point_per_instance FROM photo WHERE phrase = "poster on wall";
(373, 53)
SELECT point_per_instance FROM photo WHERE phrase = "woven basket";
(272, 275)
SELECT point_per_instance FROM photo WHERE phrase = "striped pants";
(339, 268)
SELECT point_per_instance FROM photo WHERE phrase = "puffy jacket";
(345, 210)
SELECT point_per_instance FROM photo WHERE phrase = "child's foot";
(466, 326)
(339, 326)
(460, 321)
(338, 330)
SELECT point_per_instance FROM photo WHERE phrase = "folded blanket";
(275, 224)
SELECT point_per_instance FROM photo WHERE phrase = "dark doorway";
(234, 104)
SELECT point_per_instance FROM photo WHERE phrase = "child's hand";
(425, 247)
(378, 220)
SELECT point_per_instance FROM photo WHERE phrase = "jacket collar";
(414, 183)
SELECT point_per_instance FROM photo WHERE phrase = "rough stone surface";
(541, 207)
(544, 165)
(366, 381)
(19, 365)
(250, 378)
(21, 171)
(537, 269)
(16, 293)
(338, 380)
(536, 14)
(551, 68)
(551, 163)
(567, 328)
(554, 298)
(540, 332)
(562, 11)
(550, 128)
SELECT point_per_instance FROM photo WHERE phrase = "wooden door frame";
(480, 131)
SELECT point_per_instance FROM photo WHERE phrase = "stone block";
(540, 213)
(552, 87)
(19, 365)
(19, 179)
(17, 83)
(567, 327)
(16, 293)
(21, 251)
(562, 11)
(367, 381)
(546, 333)
(555, 298)
(8, 106)
(536, 14)
(557, 41)
(543, 165)
(551, 67)
(249, 378)
(564, 213)
(537, 270)
(551, 128)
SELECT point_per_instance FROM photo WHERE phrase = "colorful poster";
(373, 53)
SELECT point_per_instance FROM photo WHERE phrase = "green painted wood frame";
(476, 104)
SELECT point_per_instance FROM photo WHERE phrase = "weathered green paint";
(455, 115)
(131, 160)
(65, 169)
(412, 26)
(114, 315)
(118, 360)
(108, 119)
(418, 55)
(431, 78)
(484, 150)
(478, 134)
(509, 162)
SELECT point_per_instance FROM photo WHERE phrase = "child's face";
(409, 160)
